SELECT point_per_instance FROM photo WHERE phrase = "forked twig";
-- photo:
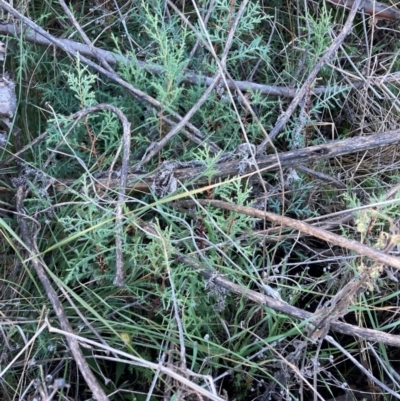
(281, 306)
(284, 118)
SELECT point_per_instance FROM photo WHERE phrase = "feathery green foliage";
(167, 311)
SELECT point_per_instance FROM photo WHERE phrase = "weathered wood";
(373, 8)
(273, 162)
(283, 307)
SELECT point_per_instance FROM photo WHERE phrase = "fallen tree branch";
(189, 77)
(283, 307)
(303, 227)
(143, 182)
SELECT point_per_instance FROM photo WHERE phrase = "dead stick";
(373, 8)
(37, 262)
(141, 182)
(281, 306)
(303, 227)
(284, 118)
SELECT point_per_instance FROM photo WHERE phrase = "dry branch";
(373, 8)
(141, 182)
(283, 307)
(29, 238)
(189, 77)
(303, 227)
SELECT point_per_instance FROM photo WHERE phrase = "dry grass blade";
(29, 239)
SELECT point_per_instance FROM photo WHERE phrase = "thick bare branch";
(283, 307)
(141, 182)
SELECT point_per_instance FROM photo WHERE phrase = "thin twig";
(136, 93)
(361, 367)
(206, 18)
(38, 264)
(284, 118)
(85, 38)
(323, 177)
(376, 255)
(84, 319)
(391, 373)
